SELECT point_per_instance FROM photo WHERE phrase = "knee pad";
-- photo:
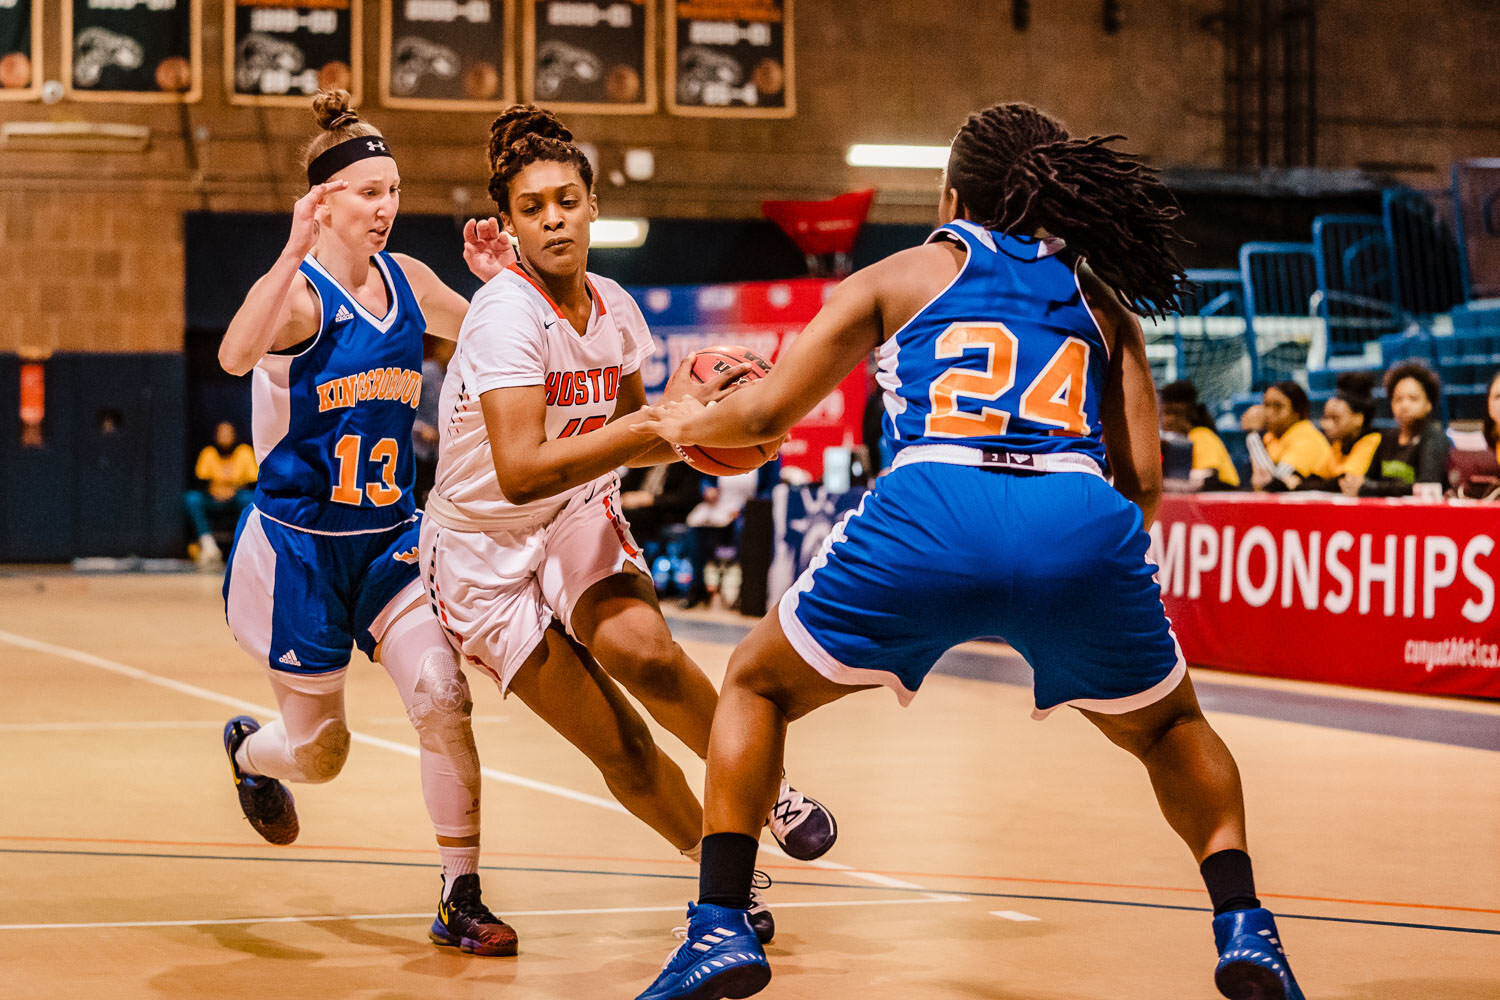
(322, 757)
(440, 704)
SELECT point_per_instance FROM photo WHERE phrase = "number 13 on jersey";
(383, 490)
(1055, 397)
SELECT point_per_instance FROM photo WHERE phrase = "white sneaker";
(803, 827)
(209, 556)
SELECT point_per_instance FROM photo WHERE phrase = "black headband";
(336, 158)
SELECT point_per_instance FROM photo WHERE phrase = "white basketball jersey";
(514, 335)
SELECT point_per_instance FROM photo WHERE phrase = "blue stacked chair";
(1357, 288)
(1280, 282)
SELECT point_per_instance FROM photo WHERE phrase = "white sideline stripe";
(1015, 915)
(240, 705)
(68, 727)
(328, 918)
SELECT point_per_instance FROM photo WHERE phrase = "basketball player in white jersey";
(524, 527)
(325, 559)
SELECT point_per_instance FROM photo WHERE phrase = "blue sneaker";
(265, 801)
(1252, 964)
(719, 958)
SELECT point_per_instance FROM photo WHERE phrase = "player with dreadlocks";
(1015, 380)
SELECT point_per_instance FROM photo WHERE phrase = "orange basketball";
(714, 461)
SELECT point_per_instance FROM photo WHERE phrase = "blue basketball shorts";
(298, 600)
(936, 555)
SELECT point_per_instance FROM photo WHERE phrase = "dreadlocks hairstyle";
(337, 122)
(1017, 170)
(522, 135)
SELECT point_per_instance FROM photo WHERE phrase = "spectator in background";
(1347, 422)
(1181, 413)
(712, 524)
(227, 468)
(1492, 416)
(1416, 449)
(1285, 447)
(654, 498)
(424, 432)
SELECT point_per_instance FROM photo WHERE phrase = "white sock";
(694, 853)
(457, 861)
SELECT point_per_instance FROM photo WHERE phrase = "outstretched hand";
(671, 421)
(305, 227)
(682, 386)
(487, 249)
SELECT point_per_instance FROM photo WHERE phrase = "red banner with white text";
(1391, 594)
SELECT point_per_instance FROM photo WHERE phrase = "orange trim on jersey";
(594, 295)
(538, 286)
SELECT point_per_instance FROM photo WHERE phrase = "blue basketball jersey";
(1007, 357)
(333, 417)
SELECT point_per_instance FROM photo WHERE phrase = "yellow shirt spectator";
(1356, 463)
(1303, 447)
(1209, 453)
(226, 474)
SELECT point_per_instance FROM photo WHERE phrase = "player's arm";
(840, 336)
(442, 306)
(631, 398)
(280, 310)
(1132, 436)
(530, 467)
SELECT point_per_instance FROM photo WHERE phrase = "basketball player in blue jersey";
(326, 558)
(1015, 379)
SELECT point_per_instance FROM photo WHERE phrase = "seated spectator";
(1285, 447)
(712, 524)
(656, 498)
(227, 468)
(1347, 423)
(1492, 416)
(1181, 413)
(1416, 449)
(424, 432)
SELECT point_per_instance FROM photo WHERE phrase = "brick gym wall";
(93, 242)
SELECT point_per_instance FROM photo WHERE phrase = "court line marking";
(934, 897)
(68, 727)
(1015, 915)
(193, 690)
(1028, 880)
(334, 917)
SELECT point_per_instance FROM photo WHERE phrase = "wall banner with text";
(1391, 594)
(285, 51)
(144, 51)
(446, 54)
(20, 50)
(597, 58)
(730, 58)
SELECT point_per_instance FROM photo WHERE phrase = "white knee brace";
(322, 757)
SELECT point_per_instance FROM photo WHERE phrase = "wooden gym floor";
(982, 855)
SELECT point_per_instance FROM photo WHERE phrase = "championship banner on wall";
(285, 51)
(730, 58)
(147, 51)
(596, 58)
(446, 54)
(764, 316)
(1390, 594)
(20, 48)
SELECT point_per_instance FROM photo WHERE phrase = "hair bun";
(520, 121)
(332, 109)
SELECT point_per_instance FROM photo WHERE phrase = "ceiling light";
(926, 157)
(626, 233)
